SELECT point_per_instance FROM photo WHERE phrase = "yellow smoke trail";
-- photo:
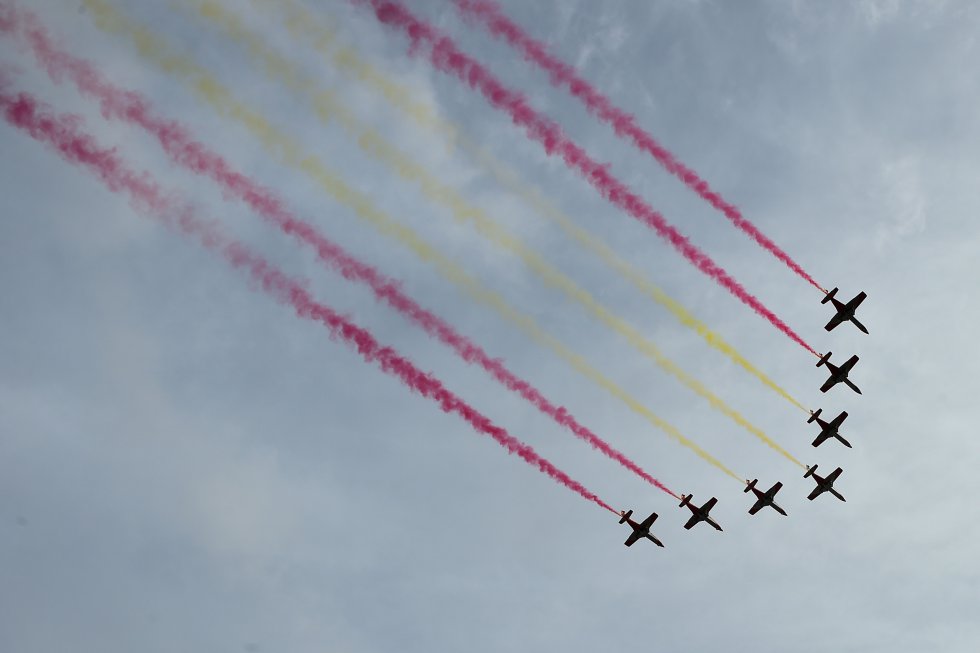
(292, 154)
(302, 24)
(329, 107)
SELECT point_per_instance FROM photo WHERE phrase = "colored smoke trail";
(293, 155)
(489, 14)
(63, 132)
(303, 24)
(445, 56)
(328, 107)
(134, 108)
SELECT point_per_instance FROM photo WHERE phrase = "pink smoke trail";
(64, 134)
(447, 57)
(117, 103)
(492, 17)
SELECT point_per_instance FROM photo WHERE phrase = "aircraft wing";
(817, 491)
(828, 384)
(691, 522)
(648, 522)
(709, 504)
(634, 536)
(777, 486)
(821, 438)
(834, 474)
(854, 303)
(759, 505)
(846, 367)
(838, 420)
(834, 321)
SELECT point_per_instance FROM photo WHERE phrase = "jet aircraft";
(699, 514)
(763, 499)
(640, 530)
(823, 484)
(838, 374)
(844, 311)
(829, 429)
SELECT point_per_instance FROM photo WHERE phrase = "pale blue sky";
(184, 465)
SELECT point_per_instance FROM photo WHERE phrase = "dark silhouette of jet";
(823, 484)
(699, 514)
(845, 312)
(838, 374)
(763, 499)
(829, 429)
(640, 530)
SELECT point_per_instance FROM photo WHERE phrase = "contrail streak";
(121, 104)
(328, 107)
(303, 24)
(62, 132)
(445, 56)
(290, 152)
(489, 14)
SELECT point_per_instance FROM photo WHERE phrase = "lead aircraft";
(763, 499)
(699, 514)
(640, 530)
(846, 311)
(828, 429)
(838, 374)
(823, 484)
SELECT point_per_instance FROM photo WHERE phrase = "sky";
(185, 465)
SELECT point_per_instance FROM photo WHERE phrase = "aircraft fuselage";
(637, 527)
(703, 516)
(768, 498)
(847, 310)
(828, 430)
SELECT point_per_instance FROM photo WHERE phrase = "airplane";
(699, 514)
(763, 499)
(844, 311)
(828, 429)
(640, 530)
(823, 484)
(838, 374)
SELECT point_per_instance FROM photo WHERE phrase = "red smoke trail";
(446, 57)
(178, 143)
(492, 17)
(63, 133)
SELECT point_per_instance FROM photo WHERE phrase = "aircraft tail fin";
(828, 296)
(814, 415)
(750, 484)
(685, 499)
(624, 516)
(810, 470)
(824, 359)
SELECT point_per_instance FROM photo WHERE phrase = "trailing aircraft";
(823, 484)
(763, 499)
(829, 429)
(640, 530)
(699, 514)
(846, 311)
(838, 374)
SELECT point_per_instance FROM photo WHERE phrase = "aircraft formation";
(65, 133)
(828, 430)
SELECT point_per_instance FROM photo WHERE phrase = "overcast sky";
(185, 465)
